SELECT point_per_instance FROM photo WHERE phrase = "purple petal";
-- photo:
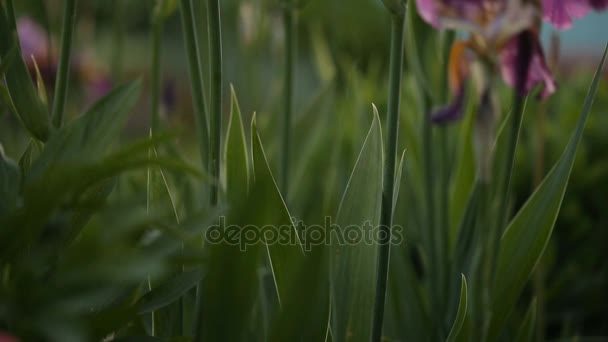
(452, 112)
(599, 5)
(538, 72)
(429, 12)
(432, 11)
(561, 12)
(32, 38)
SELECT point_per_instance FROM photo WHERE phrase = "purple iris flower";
(496, 28)
(561, 12)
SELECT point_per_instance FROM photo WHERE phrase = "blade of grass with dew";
(353, 266)
(22, 91)
(526, 237)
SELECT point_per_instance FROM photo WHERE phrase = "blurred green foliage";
(128, 235)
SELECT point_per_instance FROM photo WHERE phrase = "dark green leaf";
(169, 291)
(24, 96)
(461, 314)
(526, 237)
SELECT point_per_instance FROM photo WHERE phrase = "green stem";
(386, 216)
(196, 78)
(431, 232)
(215, 108)
(61, 84)
(157, 29)
(118, 35)
(291, 46)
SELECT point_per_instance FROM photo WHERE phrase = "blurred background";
(341, 70)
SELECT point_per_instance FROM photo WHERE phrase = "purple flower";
(35, 46)
(561, 12)
(496, 27)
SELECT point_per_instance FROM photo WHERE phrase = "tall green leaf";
(23, 93)
(526, 330)
(236, 160)
(282, 256)
(10, 179)
(353, 261)
(462, 312)
(526, 237)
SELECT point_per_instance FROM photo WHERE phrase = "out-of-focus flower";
(504, 36)
(496, 28)
(34, 43)
(561, 12)
(35, 46)
(7, 338)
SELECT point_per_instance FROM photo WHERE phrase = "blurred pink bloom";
(496, 28)
(7, 338)
(561, 12)
(35, 45)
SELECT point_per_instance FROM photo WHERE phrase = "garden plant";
(374, 195)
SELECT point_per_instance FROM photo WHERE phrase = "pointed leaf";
(236, 160)
(525, 239)
(168, 292)
(89, 137)
(461, 314)
(283, 256)
(353, 260)
(24, 96)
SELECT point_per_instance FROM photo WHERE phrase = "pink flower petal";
(538, 72)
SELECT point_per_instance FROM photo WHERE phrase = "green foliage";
(105, 235)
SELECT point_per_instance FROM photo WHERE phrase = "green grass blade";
(525, 239)
(353, 274)
(236, 159)
(10, 179)
(526, 331)
(24, 96)
(168, 292)
(283, 256)
(89, 136)
(462, 312)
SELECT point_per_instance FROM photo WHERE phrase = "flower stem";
(386, 215)
(61, 84)
(291, 46)
(157, 29)
(215, 108)
(196, 78)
